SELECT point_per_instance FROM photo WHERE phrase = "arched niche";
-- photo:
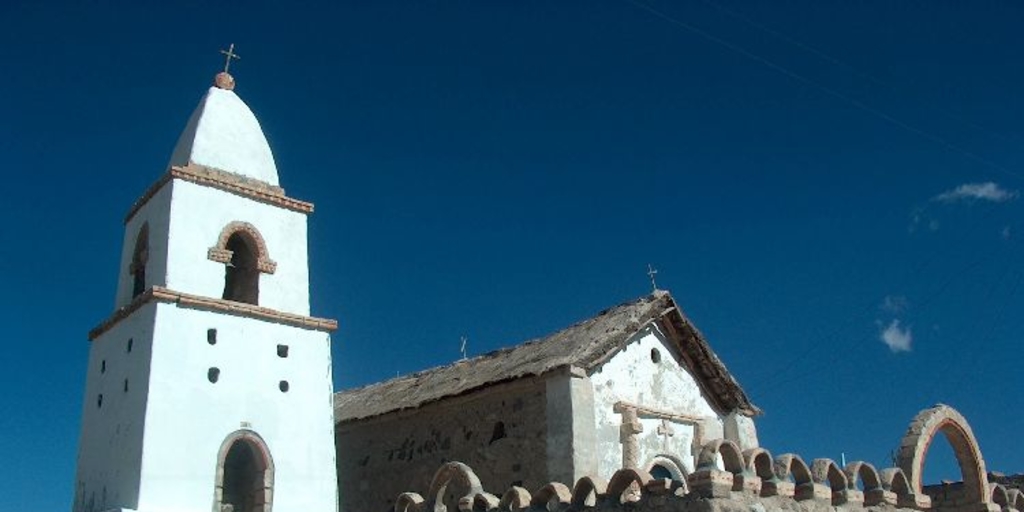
(950, 423)
(245, 474)
(244, 253)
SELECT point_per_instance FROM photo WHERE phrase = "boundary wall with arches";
(727, 477)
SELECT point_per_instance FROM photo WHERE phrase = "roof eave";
(722, 389)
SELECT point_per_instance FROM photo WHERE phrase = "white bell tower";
(209, 387)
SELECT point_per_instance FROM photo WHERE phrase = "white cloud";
(987, 191)
(894, 304)
(920, 217)
(897, 338)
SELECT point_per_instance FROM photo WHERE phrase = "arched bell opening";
(241, 274)
(140, 256)
(244, 253)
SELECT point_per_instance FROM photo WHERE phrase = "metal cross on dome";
(230, 54)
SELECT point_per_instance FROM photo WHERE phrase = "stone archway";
(245, 474)
(454, 484)
(914, 450)
(666, 466)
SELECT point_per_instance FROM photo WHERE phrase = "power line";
(830, 91)
(842, 63)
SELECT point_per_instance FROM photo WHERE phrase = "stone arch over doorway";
(918, 438)
(245, 474)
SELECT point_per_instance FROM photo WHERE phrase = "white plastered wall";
(198, 214)
(632, 376)
(189, 417)
(110, 446)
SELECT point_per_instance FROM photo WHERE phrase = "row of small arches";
(890, 484)
(631, 485)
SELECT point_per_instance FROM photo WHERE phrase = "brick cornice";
(188, 300)
(229, 182)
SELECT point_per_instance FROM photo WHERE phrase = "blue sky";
(812, 180)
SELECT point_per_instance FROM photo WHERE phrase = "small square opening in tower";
(282, 351)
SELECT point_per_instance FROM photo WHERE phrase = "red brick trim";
(187, 300)
(221, 254)
(226, 181)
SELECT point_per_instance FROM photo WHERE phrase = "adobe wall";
(501, 431)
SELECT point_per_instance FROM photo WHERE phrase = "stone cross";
(230, 54)
(631, 426)
(665, 430)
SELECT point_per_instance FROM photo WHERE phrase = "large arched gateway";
(914, 449)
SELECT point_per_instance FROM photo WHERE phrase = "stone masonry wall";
(501, 431)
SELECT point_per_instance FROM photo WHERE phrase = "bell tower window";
(140, 255)
(241, 277)
(244, 253)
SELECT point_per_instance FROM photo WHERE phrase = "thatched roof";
(585, 345)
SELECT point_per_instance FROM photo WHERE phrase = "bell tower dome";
(210, 386)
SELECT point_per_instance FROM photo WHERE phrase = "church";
(636, 386)
(209, 387)
(214, 284)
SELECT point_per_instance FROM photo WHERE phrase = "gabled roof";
(585, 345)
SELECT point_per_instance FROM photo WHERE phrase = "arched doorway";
(245, 474)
